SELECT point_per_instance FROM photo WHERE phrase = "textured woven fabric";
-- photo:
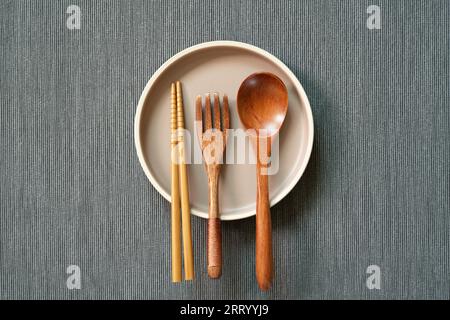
(376, 191)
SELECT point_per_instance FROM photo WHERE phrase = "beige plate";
(220, 66)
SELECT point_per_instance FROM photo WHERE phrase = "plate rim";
(235, 44)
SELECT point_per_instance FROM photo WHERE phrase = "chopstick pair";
(179, 190)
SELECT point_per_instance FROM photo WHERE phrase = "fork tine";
(208, 116)
(216, 111)
(226, 114)
(198, 118)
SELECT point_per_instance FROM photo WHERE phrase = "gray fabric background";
(376, 190)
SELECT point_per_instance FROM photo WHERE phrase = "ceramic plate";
(220, 66)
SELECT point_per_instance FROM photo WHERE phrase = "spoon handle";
(264, 259)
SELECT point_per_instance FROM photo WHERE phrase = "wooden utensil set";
(261, 104)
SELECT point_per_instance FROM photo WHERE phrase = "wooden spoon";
(262, 104)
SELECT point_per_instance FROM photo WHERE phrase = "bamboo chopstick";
(185, 208)
(176, 215)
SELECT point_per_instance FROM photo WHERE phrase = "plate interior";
(220, 69)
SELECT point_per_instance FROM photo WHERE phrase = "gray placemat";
(376, 191)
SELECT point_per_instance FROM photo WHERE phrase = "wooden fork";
(212, 138)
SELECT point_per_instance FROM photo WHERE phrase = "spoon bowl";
(262, 103)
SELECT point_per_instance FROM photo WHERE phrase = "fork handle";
(214, 248)
(214, 242)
